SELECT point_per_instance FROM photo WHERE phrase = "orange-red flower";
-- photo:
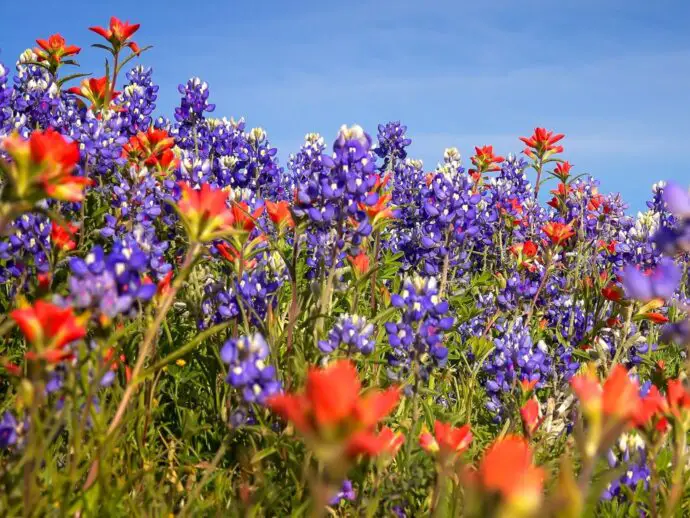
(542, 144)
(447, 440)
(557, 232)
(359, 263)
(381, 210)
(279, 212)
(562, 171)
(618, 397)
(529, 412)
(49, 329)
(62, 237)
(153, 148)
(507, 470)
(371, 444)
(245, 221)
(652, 405)
(53, 50)
(42, 167)
(205, 213)
(612, 292)
(525, 252)
(485, 161)
(96, 91)
(119, 34)
(333, 415)
(677, 396)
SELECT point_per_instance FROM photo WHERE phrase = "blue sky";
(613, 75)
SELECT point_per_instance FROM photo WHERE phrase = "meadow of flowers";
(191, 328)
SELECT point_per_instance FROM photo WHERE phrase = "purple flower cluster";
(110, 284)
(416, 340)
(514, 358)
(248, 371)
(351, 332)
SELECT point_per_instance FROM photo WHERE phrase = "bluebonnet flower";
(515, 357)
(137, 100)
(637, 471)
(110, 284)
(5, 99)
(392, 143)
(660, 283)
(335, 190)
(346, 493)
(248, 370)
(192, 132)
(101, 140)
(35, 96)
(26, 248)
(8, 430)
(674, 236)
(353, 333)
(417, 338)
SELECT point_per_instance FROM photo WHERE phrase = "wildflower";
(49, 329)
(248, 370)
(279, 212)
(63, 238)
(332, 414)
(204, 212)
(562, 171)
(9, 430)
(119, 34)
(359, 263)
(97, 91)
(485, 161)
(507, 470)
(677, 200)
(42, 167)
(244, 220)
(351, 331)
(612, 292)
(153, 148)
(659, 283)
(529, 412)
(557, 232)
(447, 440)
(542, 144)
(379, 211)
(618, 397)
(53, 50)
(180, 362)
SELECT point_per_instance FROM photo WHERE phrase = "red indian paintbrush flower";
(49, 329)
(359, 263)
(95, 90)
(244, 221)
(485, 161)
(153, 148)
(42, 167)
(529, 413)
(618, 397)
(204, 213)
(334, 417)
(381, 210)
(63, 238)
(507, 470)
(52, 50)
(279, 212)
(557, 232)
(118, 34)
(447, 440)
(562, 171)
(542, 144)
